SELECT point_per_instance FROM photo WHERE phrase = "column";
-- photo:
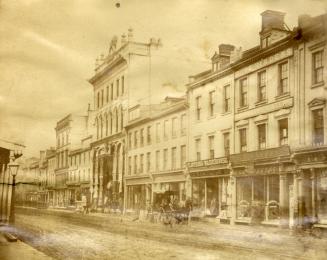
(300, 196)
(313, 193)
(233, 197)
(283, 200)
(101, 188)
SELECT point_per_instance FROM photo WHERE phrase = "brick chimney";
(272, 20)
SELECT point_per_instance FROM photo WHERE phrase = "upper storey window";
(243, 93)
(198, 107)
(318, 127)
(318, 67)
(265, 42)
(283, 78)
(262, 86)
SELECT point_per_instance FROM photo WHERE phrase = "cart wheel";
(316, 232)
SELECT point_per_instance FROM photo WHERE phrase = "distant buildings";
(246, 144)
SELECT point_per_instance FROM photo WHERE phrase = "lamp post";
(13, 170)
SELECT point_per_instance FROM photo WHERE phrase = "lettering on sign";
(209, 162)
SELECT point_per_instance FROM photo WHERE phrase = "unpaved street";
(62, 237)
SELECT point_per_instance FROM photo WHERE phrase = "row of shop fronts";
(272, 186)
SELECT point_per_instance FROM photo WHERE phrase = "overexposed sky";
(48, 49)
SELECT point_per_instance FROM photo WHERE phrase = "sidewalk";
(17, 250)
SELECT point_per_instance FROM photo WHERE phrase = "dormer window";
(265, 42)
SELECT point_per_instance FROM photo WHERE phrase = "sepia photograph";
(163, 129)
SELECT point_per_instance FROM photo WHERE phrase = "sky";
(48, 50)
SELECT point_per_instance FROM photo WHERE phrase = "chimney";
(123, 39)
(130, 34)
(304, 20)
(272, 20)
(225, 49)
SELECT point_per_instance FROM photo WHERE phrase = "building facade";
(271, 148)
(156, 155)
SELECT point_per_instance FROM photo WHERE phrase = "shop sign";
(209, 162)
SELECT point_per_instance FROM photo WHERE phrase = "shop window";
(283, 131)
(243, 93)
(226, 144)
(244, 197)
(226, 100)
(211, 141)
(243, 140)
(283, 78)
(318, 127)
(198, 149)
(198, 196)
(322, 196)
(318, 67)
(211, 103)
(262, 136)
(212, 197)
(262, 86)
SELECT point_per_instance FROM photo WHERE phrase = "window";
(122, 85)
(157, 161)
(283, 131)
(283, 78)
(226, 100)
(148, 135)
(135, 164)
(98, 100)
(198, 107)
(183, 156)
(142, 137)
(107, 125)
(211, 142)
(198, 149)
(243, 93)
(226, 144)
(173, 158)
(262, 136)
(211, 103)
(158, 132)
(318, 67)
(141, 163)
(102, 96)
(265, 42)
(107, 94)
(135, 139)
(173, 127)
(130, 140)
(183, 124)
(166, 129)
(148, 162)
(243, 141)
(318, 127)
(165, 159)
(117, 88)
(129, 165)
(262, 86)
(112, 91)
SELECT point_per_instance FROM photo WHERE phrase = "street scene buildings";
(242, 142)
(246, 143)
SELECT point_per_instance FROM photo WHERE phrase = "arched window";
(116, 121)
(107, 122)
(101, 126)
(121, 119)
(97, 126)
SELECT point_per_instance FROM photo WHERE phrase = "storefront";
(138, 192)
(210, 187)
